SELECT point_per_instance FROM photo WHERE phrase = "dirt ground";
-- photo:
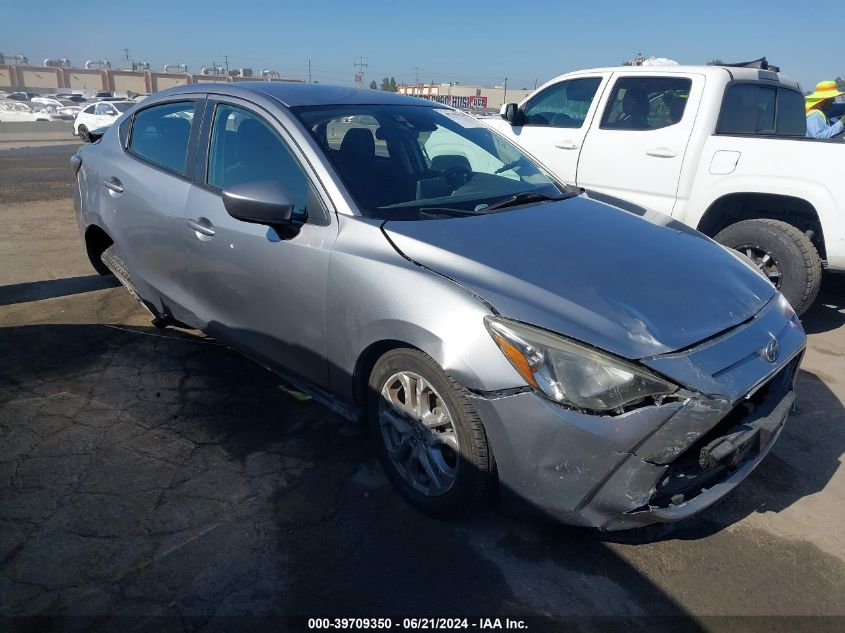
(153, 480)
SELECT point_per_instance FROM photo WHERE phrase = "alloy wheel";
(419, 433)
(763, 260)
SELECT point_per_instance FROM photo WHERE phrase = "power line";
(359, 71)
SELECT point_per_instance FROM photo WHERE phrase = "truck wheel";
(428, 437)
(783, 253)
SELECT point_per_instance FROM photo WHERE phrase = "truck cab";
(722, 149)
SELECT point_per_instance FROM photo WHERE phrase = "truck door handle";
(113, 184)
(661, 152)
(202, 226)
(567, 145)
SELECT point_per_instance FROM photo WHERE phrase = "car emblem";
(771, 351)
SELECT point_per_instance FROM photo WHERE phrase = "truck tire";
(783, 253)
(432, 446)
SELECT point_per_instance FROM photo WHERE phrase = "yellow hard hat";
(824, 90)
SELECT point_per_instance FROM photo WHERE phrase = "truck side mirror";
(512, 114)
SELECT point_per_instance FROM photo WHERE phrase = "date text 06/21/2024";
(417, 623)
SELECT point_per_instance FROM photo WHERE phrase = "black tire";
(81, 131)
(476, 467)
(797, 259)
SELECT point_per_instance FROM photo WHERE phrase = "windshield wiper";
(523, 198)
(446, 211)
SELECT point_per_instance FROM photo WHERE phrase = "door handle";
(661, 152)
(113, 184)
(567, 145)
(203, 228)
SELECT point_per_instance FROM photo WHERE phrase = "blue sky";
(471, 41)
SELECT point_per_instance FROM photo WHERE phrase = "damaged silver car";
(404, 264)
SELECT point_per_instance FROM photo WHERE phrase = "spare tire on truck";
(784, 254)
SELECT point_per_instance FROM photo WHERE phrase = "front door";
(556, 120)
(260, 290)
(635, 150)
(104, 115)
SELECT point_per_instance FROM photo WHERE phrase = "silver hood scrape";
(632, 286)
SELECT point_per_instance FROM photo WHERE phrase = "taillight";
(76, 163)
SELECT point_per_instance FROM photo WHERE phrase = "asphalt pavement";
(155, 480)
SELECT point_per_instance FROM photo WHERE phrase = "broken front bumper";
(657, 463)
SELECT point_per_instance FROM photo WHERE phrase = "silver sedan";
(405, 265)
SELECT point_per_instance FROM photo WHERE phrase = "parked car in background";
(473, 313)
(99, 114)
(13, 111)
(47, 101)
(77, 98)
(62, 109)
(722, 149)
(21, 96)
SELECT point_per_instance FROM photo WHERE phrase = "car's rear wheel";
(429, 439)
(82, 131)
(784, 254)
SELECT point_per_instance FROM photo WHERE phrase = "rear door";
(636, 147)
(144, 187)
(259, 290)
(556, 120)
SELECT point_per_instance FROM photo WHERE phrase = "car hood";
(634, 285)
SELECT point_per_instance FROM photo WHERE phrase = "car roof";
(735, 72)
(293, 94)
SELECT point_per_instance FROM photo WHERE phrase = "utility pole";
(505, 96)
(226, 60)
(359, 71)
(309, 71)
(125, 54)
(535, 84)
(417, 75)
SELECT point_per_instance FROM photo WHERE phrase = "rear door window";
(160, 134)
(762, 109)
(646, 103)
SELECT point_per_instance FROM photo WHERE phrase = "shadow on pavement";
(163, 478)
(828, 311)
(52, 288)
(149, 477)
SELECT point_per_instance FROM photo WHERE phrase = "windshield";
(412, 162)
(123, 106)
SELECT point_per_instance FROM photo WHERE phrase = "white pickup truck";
(719, 148)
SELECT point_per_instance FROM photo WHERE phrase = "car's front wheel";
(429, 439)
(81, 131)
(784, 254)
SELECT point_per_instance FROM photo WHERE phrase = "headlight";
(572, 373)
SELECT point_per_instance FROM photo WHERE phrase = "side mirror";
(260, 202)
(512, 114)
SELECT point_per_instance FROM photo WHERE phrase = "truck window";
(646, 103)
(562, 105)
(762, 109)
(791, 116)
